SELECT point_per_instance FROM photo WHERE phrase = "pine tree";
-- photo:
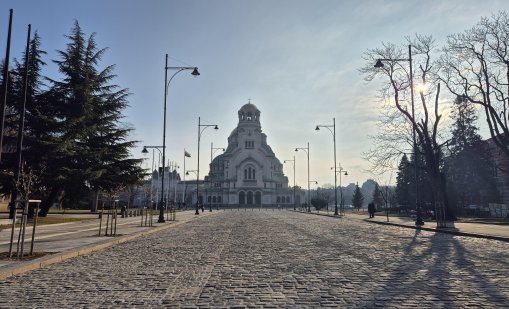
(93, 150)
(468, 172)
(377, 197)
(358, 198)
(404, 183)
(31, 154)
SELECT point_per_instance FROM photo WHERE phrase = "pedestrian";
(371, 210)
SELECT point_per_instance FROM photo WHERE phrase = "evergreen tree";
(377, 197)
(31, 155)
(93, 146)
(358, 198)
(468, 172)
(404, 183)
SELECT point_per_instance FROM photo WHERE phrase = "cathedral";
(248, 172)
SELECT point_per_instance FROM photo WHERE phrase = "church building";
(248, 172)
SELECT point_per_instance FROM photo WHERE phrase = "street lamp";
(201, 128)
(307, 153)
(341, 172)
(333, 132)
(379, 64)
(166, 85)
(311, 182)
(293, 161)
(213, 150)
(145, 151)
(196, 173)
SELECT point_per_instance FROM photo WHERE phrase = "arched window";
(249, 173)
(249, 116)
(278, 199)
(258, 198)
(288, 199)
(242, 198)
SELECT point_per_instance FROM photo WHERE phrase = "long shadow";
(482, 281)
(431, 272)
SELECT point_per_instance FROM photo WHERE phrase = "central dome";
(249, 113)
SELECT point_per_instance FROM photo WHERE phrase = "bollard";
(107, 223)
(12, 229)
(33, 229)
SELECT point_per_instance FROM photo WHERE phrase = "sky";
(297, 60)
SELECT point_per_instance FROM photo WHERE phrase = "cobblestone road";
(275, 259)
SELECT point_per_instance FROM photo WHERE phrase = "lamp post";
(310, 182)
(293, 161)
(333, 132)
(341, 172)
(307, 153)
(188, 155)
(201, 128)
(166, 85)
(212, 151)
(196, 173)
(145, 151)
(379, 64)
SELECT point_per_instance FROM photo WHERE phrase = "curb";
(317, 214)
(24, 267)
(452, 232)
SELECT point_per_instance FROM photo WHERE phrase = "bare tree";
(424, 118)
(475, 67)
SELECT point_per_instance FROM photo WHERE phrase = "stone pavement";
(470, 229)
(66, 240)
(270, 259)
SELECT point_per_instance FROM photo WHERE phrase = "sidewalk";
(67, 240)
(468, 229)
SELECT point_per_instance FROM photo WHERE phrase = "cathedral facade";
(248, 173)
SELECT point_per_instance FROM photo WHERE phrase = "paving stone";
(268, 259)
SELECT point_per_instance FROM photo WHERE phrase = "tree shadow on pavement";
(437, 272)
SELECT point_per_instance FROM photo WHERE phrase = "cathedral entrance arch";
(242, 198)
(258, 198)
(250, 198)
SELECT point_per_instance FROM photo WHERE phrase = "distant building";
(248, 173)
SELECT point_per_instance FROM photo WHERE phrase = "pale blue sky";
(297, 60)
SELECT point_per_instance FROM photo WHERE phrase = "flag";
(187, 154)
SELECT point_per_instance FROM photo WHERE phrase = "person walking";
(371, 210)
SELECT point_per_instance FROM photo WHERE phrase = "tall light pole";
(293, 161)
(307, 153)
(310, 182)
(333, 132)
(145, 151)
(379, 64)
(201, 128)
(341, 172)
(166, 85)
(196, 173)
(213, 151)
(188, 155)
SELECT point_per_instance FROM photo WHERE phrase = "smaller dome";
(249, 113)
(249, 107)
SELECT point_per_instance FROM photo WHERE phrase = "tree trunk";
(56, 194)
(95, 202)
